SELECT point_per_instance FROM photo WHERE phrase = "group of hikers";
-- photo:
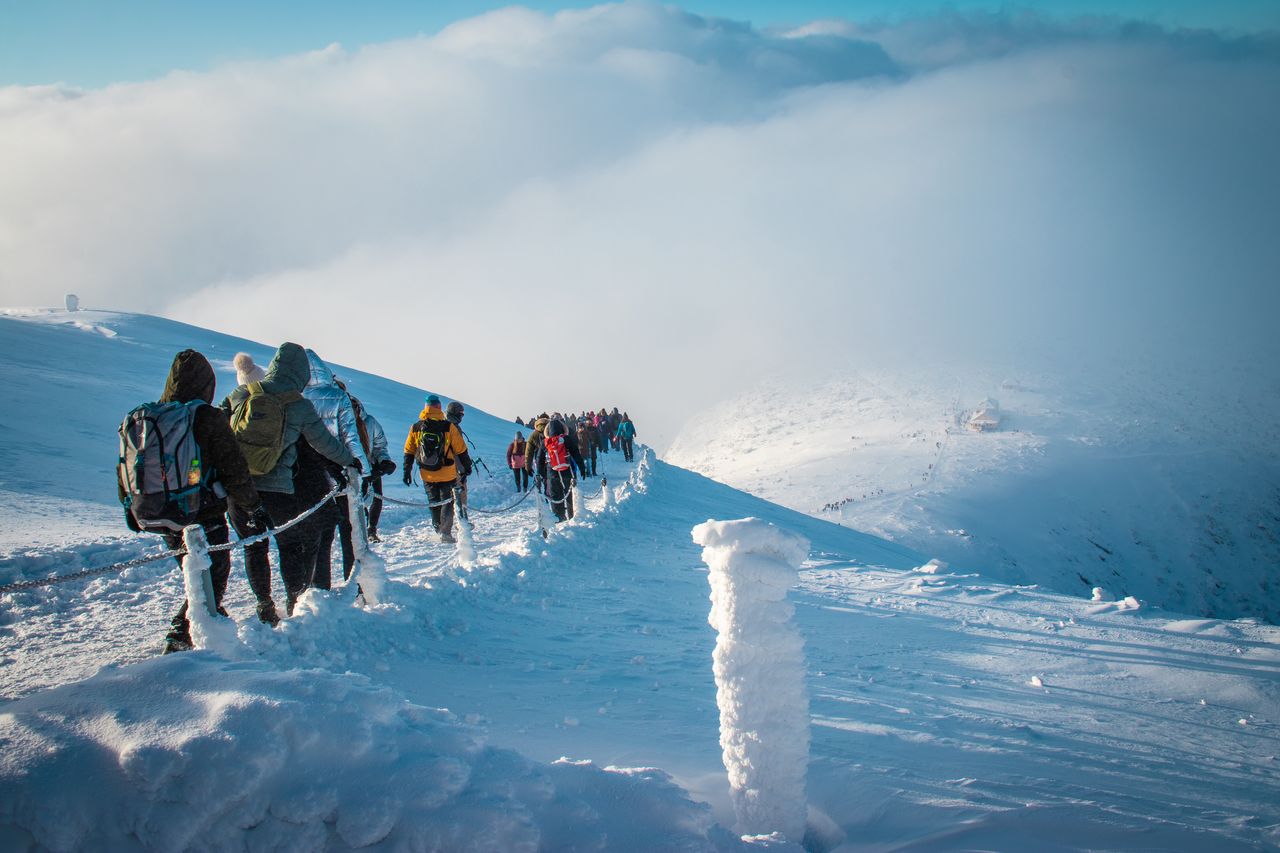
(289, 438)
(559, 443)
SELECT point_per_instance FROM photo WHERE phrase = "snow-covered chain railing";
(18, 586)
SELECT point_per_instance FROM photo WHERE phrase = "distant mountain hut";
(986, 417)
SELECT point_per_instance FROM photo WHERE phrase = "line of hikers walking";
(284, 439)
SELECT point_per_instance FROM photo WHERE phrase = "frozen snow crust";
(947, 710)
(192, 751)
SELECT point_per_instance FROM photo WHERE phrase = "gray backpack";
(163, 481)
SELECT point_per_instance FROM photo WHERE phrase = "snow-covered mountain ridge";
(948, 711)
(1156, 483)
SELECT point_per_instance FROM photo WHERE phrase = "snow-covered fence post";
(207, 630)
(368, 570)
(466, 545)
(608, 495)
(759, 670)
(545, 521)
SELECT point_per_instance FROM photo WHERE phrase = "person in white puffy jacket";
(333, 405)
(382, 465)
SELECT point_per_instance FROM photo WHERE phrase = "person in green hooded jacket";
(287, 375)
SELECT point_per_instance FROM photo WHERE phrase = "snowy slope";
(1160, 483)
(949, 711)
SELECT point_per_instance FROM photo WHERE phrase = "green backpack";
(258, 422)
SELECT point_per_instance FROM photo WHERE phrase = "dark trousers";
(292, 545)
(627, 448)
(441, 516)
(325, 521)
(375, 508)
(217, 534)
(337, 516)
(591, 461)
(560, 491)
(522, 479)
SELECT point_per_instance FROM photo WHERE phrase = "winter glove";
(408, 477)
(386, 466)
(259, 521)
(339, 478)
(355, 463)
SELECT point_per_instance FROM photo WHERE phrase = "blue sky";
(92, 43)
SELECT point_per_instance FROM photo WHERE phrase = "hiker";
(600, 420)
(534, 444)
(191, 379)
(515, 461)
(380, 457)
(587, 443)
(268, 418)
(626, 436)
(453, 414)
(333, 404)
(437, 447)
(557, 455)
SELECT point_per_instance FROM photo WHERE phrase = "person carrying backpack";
(626, 436)
(556, 457)
(215, 466)
(268, 419)
(437, 447)
(515, 461)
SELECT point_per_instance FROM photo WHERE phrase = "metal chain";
(181, 552)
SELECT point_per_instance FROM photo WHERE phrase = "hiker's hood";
(190, 378)
(321, 375)
(540, 425)
(289, 369)
(432, 413)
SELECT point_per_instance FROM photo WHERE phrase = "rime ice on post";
(759, 670)
(369, 571)
(72, 302)
(208, 630)
(465, 546)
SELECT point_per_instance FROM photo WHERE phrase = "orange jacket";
(455, 446)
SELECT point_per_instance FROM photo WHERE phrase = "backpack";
(557, 452)
(258, 422)
(163, 481)
(433, 444)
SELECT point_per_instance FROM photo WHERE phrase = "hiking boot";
(267, 612)
(447, 538)
(373, 535)
(176, 642)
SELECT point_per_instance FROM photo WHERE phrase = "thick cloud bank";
(639, 198)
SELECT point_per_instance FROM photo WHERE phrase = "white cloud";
(632, 204)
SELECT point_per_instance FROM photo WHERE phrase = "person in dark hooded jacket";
(555, 467)
(288, 373)
(192, 378)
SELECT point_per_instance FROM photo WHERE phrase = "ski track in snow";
(949, 710)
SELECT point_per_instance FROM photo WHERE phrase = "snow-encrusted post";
(759, 670)
(368, 570)
(207, 629)
(608, 495)
(466, 545)
(545, 520)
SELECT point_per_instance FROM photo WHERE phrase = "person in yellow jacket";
(437, 447)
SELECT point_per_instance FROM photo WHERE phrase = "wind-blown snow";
(592, 645)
